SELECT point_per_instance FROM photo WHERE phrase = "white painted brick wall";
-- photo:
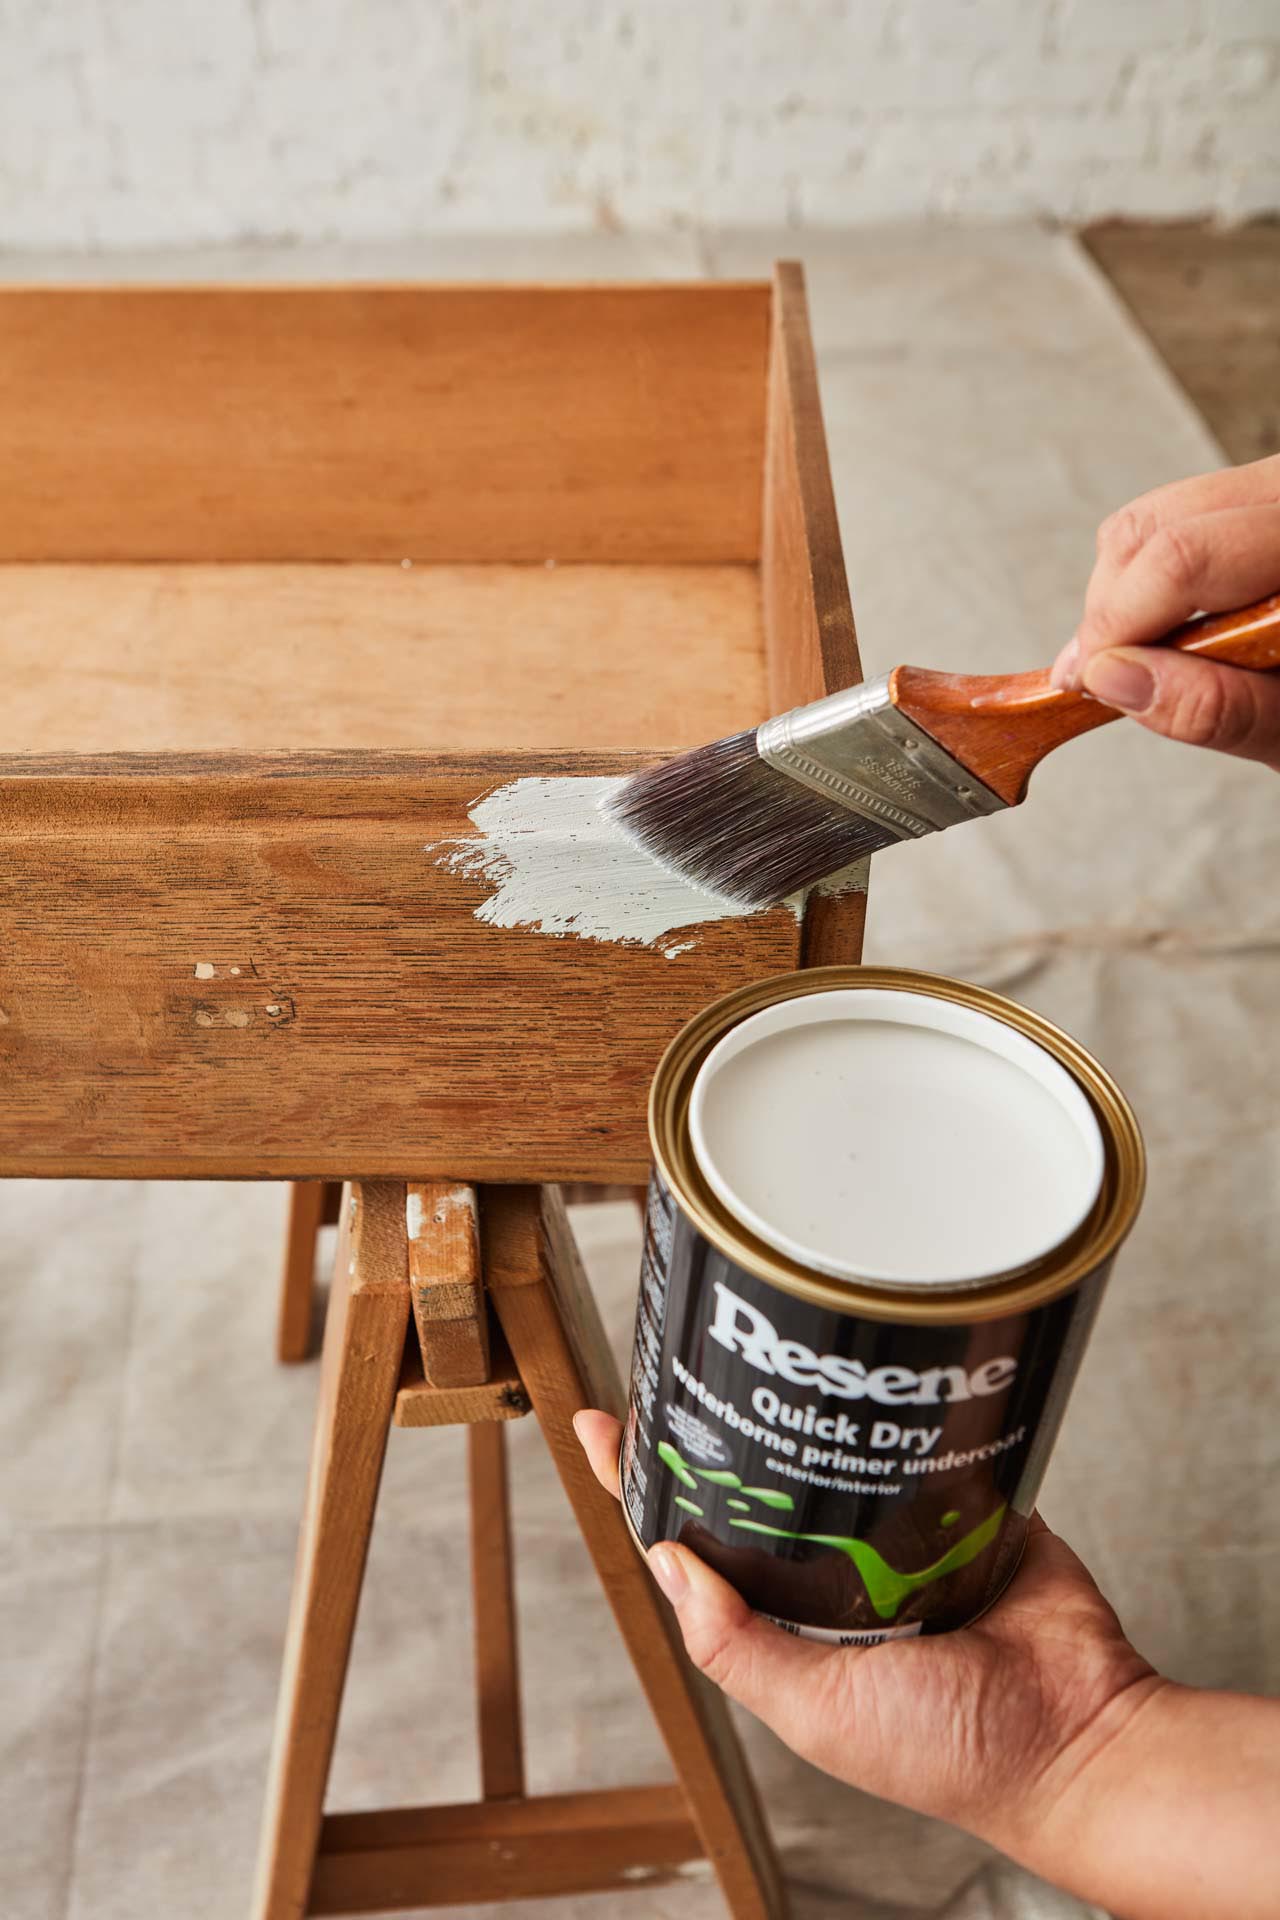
(138, 123)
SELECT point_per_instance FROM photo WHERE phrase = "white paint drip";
(457, 1198)
(556, 863)
(464, 1197)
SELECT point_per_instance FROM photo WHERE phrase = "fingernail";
(1065, 671)
(669, 1574)
(1121, 679)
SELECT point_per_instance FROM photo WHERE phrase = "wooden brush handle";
(1002, 725)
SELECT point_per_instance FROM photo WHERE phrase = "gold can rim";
(1094, 1242)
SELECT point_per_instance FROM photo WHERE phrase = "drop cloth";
(987, 403)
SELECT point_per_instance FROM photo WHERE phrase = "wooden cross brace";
(431, 1260)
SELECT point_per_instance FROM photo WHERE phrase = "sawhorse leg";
(312, 1204)
(548, 1349)
(548, 1312)
(363, 1349)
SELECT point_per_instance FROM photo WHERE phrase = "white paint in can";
(896, 1138)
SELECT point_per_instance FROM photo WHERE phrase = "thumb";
(1200, 702)
(773, 1674)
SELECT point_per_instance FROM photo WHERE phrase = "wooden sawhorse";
(430, 1254)
(264, 959)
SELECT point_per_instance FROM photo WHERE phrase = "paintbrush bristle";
(724, 819)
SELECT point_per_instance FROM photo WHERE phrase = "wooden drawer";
(289, 579)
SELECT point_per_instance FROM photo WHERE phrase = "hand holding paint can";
(882, 1212)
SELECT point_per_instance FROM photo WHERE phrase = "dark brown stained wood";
(382, 422)
(363, 1343)
(251, 967)
(548, 1313)
(622, 1839)
(833, 930)
(811, 647)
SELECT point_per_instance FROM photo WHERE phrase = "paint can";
(882, 1212)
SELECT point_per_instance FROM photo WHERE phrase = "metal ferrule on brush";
(857, 750)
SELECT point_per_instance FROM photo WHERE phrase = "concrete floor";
(988, 400)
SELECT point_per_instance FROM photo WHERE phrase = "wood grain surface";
(445, 1283)
(502, 1396)
(297, 1279)
(548, 1312)
(246, 963)
(495, 1638)
(251, 966)
(628, 1840)
(141, 659)
(378, 423)
(811, 646)
(363, 1345)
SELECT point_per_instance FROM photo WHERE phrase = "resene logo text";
(744, 1330)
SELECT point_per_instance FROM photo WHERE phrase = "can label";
(856, 1480)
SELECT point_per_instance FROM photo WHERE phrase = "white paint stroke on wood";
(555, 863)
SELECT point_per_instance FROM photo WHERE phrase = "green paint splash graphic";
(886, 1587)
(689, 1475)
(670, 1458)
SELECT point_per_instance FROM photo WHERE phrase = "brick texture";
(139, 123)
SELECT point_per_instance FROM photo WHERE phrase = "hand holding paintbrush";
(766, 813)
(763, 814)
(1209, 542)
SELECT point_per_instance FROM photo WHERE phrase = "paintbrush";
(767, 813)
